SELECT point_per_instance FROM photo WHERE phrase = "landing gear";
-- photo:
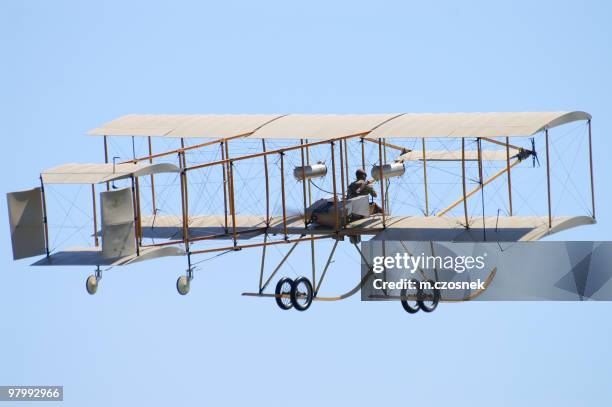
(91, 284)
(429, 297)
(183, 282)
(182, 285)
(284, 287)
(296, 294)
(301, 294)
(411, 306)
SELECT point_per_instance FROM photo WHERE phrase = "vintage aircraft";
(243, 184)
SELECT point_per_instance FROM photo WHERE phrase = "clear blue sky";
(69, 66)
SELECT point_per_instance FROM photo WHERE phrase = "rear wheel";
(283, 287)
(429, 297)
(301, 294)
(411, 306)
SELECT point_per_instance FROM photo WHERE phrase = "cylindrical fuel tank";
(317, 170)
(388, 170)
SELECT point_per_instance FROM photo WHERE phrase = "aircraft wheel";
(91, 284)
(283, 287)
(433, 298)
(411, 306)
(301, 294)
(182, 285)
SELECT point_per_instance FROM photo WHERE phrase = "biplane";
(192, 185)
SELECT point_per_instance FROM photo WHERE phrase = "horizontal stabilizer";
(99, 173)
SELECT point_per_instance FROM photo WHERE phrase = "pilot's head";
(361, 174)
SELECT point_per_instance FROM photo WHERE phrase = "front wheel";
(409, 305)
(283, 293)
(429, 296)
(301, 294)
(182, 285)
(91, 285)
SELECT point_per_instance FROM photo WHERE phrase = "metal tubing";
(263, 287)
(548, 180)
(224, 187)
(382, 182)
(183, 205)
(465, 209)
(425, 179)
(207, 237)
(186, 210)
(183, 201)
(280, 150)
(208, 143)
(509, 177)
(232, 201)
(506, 144)
(309, 184)
(346, 163)
(312, 243)
(386, 144)
(183, 152)
(106, 159)
(329, 259)
(44, 207)
(262, 230)
(363, 257)
(152, 179)
(263, 263)
(231, 191)
(282, 170)
(304, 182)
(342, 197)
(384, 256)
(134, 206)
(478, 188)
(133, 150)
(479, 148)
(387, 184)
(95, 216)
(138, 212)
(263, 145)
(362, 154)
(480, 180)
(313, 265)
(591, 169)
(333, 159)
(183, 149)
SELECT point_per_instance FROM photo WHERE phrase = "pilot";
(361, 186)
